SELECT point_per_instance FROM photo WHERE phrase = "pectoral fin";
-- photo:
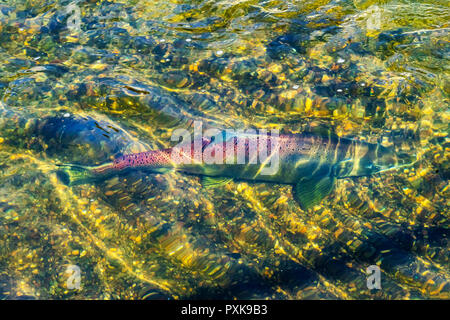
(211, 182)
(310, 192)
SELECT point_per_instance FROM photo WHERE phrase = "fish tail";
(74, 174)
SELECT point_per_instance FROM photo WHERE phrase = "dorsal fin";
(321, 129)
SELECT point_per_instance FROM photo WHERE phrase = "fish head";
(387, 159)
(381, 159)
(370, 159)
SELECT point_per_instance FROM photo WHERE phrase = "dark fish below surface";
(82, 138)
(311, 162)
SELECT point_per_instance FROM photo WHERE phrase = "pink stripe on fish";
(143, 159)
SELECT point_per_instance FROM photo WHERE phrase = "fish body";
(310, 162)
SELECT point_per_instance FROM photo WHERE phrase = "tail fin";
(74, 175)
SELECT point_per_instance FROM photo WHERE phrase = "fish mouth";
(406, 159)
(402, 160)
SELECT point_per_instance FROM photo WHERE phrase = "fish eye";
(372, 166)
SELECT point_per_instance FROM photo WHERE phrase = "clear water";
(137, 70)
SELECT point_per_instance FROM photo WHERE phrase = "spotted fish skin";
(309, 161)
